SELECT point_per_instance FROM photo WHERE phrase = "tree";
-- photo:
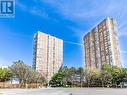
(116, 71)
(106, 75)
(71, 76)
(123, 75)
(57, 79)
(25, 73)
(67, 76)
(91, 76)
(107, 68)
(106, 78)
(20, 70)
(5, 74)
(80, 72)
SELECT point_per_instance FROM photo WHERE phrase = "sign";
(7, 8)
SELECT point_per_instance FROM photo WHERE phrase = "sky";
(68, 20)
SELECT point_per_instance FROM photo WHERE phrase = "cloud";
(34, 10)
(80, 11)
(91, 12)
(122, 34)
(73, 43)
(122, 29)
(21, 6)
(123, 52)
(38, 12)
(71, 10)
(83, 11)
(86, 9)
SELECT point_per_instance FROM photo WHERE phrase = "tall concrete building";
(101, 45)
(48, 54)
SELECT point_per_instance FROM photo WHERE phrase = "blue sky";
(66, 19)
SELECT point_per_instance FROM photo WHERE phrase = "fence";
(8, 85)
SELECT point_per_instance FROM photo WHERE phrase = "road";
(64, 91)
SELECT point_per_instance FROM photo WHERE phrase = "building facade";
(101, 45)
(48, 54)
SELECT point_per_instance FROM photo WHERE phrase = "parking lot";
(65, 91)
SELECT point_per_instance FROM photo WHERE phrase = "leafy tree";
(123, 75)
(72, 74)
(5, 74)
(107, 68)
(60, 78)
(106, 78)
(80, 72)
(67, 76)
(57, 79)
(25, 73)
(91, 76)
(20, 70)
(116, 71)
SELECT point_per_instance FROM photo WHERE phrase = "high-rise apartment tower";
(48, 54)
(101, 45)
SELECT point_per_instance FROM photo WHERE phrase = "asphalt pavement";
(65, 91)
